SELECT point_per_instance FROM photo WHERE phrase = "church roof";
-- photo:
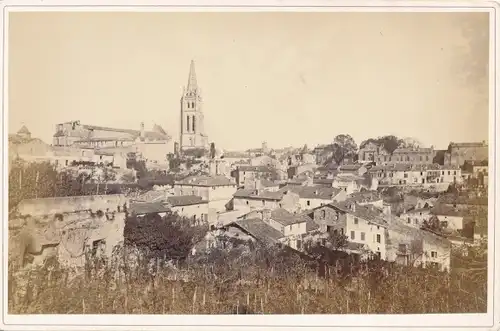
(157, 128)
(24, 130)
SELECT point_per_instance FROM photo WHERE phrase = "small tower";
(265, 149)
(24, 133)
(192, 134)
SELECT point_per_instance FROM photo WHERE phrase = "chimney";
(353, 207)
(142, 130)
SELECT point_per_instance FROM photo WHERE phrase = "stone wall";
(59, 205)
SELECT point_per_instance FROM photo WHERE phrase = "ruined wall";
(74, 239)
(60, 205)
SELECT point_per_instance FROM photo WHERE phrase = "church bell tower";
(192, 134)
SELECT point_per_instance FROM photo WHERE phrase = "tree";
(304, 150)
(343, 146)
(390, 143)
(194, 153)
(409, 142)
(171, 236)
(212, 150)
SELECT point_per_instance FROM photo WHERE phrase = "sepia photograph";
(218, 162)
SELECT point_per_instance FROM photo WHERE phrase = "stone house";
(313, 196)
(252, 199)
(408, 245)
(459, 153)
(244, 174)
(217, 190)
(363, 225)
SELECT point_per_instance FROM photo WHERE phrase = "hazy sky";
(286, 78)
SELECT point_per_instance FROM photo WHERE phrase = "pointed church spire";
(192, 84)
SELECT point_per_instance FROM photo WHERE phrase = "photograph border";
(63, 322)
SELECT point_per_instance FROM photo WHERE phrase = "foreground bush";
(260, 281)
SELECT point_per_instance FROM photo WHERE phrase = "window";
(194, 124)
(378, 238)
(362, 236)
(352, 235)
(409, 220)
(442, 173)
(342, 231)
(356, 220)
(247, 202)
(187, 124)
(405, 175)
(263, 202)
(308, 202)
(421, 173)
(434, 254)
(454, 172)
(323, 213)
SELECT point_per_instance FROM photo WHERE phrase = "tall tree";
(344, 146)
(409, 142)
(390, 143)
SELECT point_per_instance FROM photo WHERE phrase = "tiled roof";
(185, 200)
(258, 194)
(255, 168)
(106, 153)
(366, 196)
(470, 144)
(232, 154)
(348, 178)
(312, 192)
(412, 167)
(104, 139)
(243, 193)
(259, 230)
(268, 183)
(368, 212)
(445, 210)
(206, 181)
(157, 134)
(286, 218)
(152, 196)
(409, 151)
(323, 181)
(462, 200)
(311, 225)
(350, 167)
(141, 208)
